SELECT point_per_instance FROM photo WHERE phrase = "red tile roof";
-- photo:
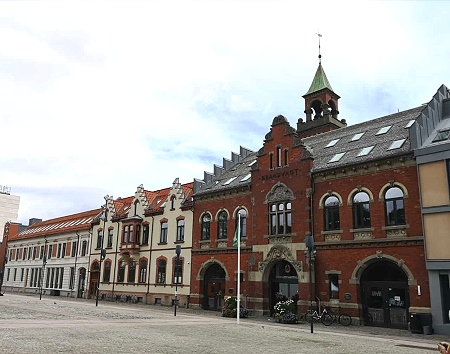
(63, 224)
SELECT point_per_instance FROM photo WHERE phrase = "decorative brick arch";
(202, 214)
(390, 185)
(216, 218)
(329, 194)
(357, 190)
(236, 210)
(206, 265)
(279, 192)
(362, 265)
(279, 253)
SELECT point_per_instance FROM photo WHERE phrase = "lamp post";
(311, 255)
(102, 250)
(44, 262)
(177, 268)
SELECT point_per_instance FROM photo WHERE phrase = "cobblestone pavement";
(64, 325)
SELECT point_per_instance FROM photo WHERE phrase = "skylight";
(365, 151)
(383, 130)
(357, 136)
(411, 122)
(251, 163)
(332, 143)
(397, 144)
(441, 136)
(337, 157)
(229, 181)
(246, 177)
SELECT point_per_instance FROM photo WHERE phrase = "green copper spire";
(320, 81)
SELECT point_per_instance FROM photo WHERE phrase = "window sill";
(205, 241)
(162, 243)
(363, 229)
(330, 232)
(179, 241)
(395, 227)
(280, 235)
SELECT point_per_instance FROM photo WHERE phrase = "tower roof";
(320, 81)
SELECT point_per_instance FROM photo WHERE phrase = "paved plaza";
(62, 325)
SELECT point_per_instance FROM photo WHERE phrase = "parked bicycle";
(338, 316)
(319, 315)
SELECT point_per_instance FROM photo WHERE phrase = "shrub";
(229, 308)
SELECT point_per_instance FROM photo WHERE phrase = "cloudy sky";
(99, 97)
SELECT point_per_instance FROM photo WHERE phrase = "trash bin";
(415, 323)
(425, 319)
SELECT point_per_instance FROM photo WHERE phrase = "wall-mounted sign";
(293, 172)
(347, 296)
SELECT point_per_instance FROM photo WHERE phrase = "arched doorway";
(81, 280)
(93, 284)
(283, 283)
(385, 295)
(214, 287)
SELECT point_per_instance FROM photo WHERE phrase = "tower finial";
(320, 56)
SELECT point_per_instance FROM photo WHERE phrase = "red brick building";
(354, 189)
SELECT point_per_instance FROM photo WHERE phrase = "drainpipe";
(115, 258)
(88, 276)
(150, 260)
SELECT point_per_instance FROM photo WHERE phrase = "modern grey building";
(430, 139)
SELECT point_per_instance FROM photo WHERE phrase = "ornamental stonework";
(280, 240)
(204, 245)
(222, 244)
(396, 233)
(277, 253)
(362, 236)
(332, 237)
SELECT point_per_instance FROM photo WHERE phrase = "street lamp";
(102, 250)
(311, 255)
(44, 262)
(177, 269)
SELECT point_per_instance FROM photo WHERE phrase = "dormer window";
(442, 135)
(383, 130)
(332, 143)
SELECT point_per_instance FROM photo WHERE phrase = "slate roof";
(381, 143)
(237, 175)
(63, 224)
(316, 145)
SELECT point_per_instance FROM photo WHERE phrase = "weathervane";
(320, 56)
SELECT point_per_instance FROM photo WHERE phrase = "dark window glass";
(331, 213)
(163, 237)
(145, 235)
(132, 272)
(243, 218)
(361, 210)
(180, 231)
(280, 218)
(121, 273)
(206, 225)
(107, 272)
(395, 210)
(110, 238)
(222, 231)
(161, 276)
(142, 271)
(99, 239)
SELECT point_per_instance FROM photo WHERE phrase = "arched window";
(280, 218)
(107, 271)
(331, 213)
(395, 209)
(172, 203)
(206, 225)
(132, 272)
(180, 230)
(222, 231)
(243, 219)
(161, 275)
(121, 273)
(142, 271)
(361, 210)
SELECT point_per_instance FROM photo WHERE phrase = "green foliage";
(229, 308)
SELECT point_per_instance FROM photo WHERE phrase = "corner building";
(353, 188)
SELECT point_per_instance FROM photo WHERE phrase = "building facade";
(354, 189)
(140, 236)
(9, 207)
(430, 140)
(50, 257)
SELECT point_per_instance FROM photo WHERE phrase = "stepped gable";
(63, 224)
(233, 173)
(344, 146)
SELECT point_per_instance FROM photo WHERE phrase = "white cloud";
(100, 98)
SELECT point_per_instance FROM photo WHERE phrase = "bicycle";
(343, 318)
(318, 315)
